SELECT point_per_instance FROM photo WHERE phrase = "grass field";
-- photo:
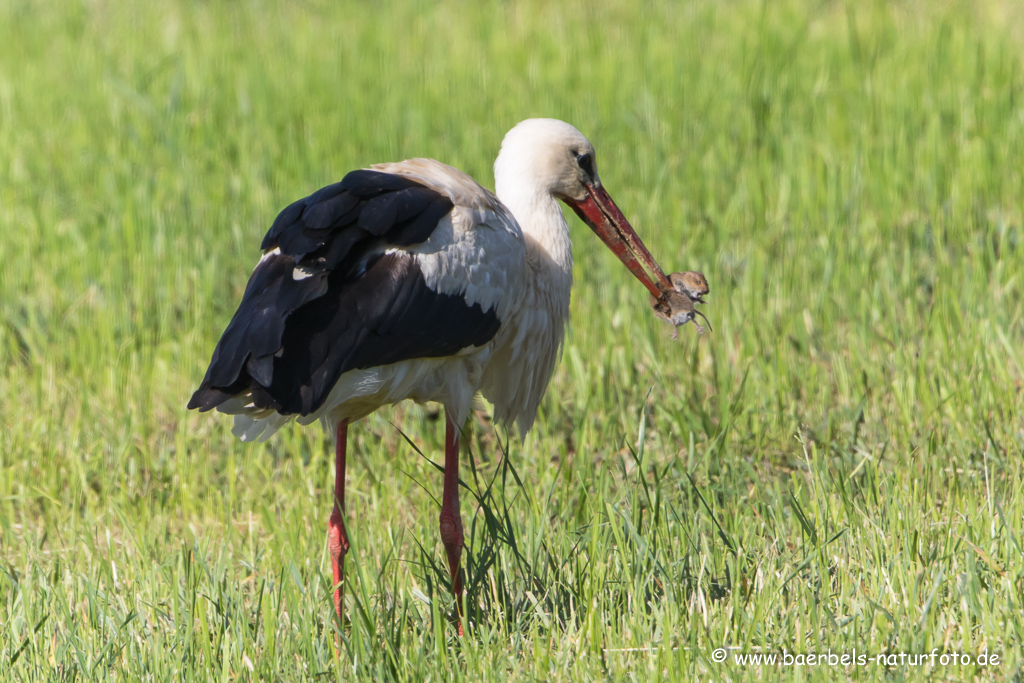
(838, 467)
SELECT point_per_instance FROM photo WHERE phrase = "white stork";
(409, 280)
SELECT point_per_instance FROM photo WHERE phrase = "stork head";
(548, 156)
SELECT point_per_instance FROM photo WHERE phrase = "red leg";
(451, 520)
(337, 540)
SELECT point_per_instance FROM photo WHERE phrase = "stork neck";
(540, 217)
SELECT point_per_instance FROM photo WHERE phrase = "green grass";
(837, 467)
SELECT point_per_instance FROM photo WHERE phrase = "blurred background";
(837, 465)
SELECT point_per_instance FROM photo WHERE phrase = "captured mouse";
(676, 306)
(691, 283)
(677, 309)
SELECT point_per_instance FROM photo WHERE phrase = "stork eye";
(586, 162)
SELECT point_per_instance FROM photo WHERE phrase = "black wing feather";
(379, 214)
(418, 227)
(350, 308)
(331, 212)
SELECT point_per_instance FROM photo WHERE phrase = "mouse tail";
(705, 319)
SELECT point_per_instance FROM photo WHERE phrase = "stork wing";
(336, 290)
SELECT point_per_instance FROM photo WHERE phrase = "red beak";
(602, 215)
